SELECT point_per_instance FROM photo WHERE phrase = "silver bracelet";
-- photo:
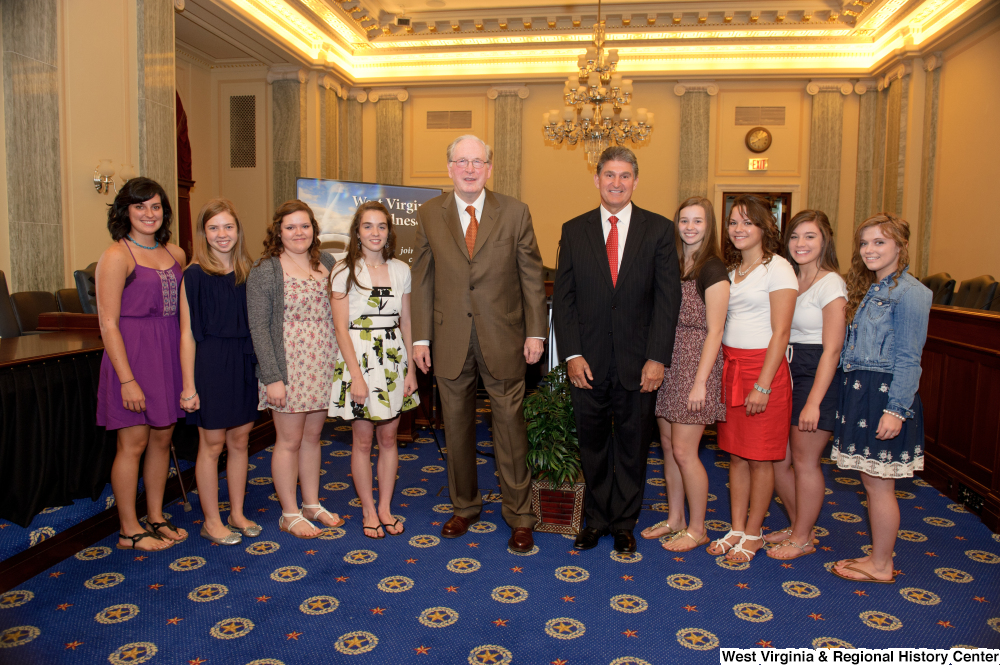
(893, 413)
(188, 399)
(766, 391)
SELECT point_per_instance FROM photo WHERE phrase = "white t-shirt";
(748, 321)
(807, 323)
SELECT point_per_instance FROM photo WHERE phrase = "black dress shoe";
(624, 541)
(588, 538)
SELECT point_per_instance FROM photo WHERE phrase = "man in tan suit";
(478, 295)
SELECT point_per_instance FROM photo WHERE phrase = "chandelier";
(598, 104)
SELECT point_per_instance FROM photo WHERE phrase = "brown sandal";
(139, 536)
(871, 578)
(167, 524)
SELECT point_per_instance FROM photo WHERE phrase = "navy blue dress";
(224, 362)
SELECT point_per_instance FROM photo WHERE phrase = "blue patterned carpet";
(418, 598)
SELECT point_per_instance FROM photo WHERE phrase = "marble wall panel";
(890, 191)
(507, 144)
(342, 138)
(878, 157)
(157, 116)
(158, 146)
(284, 181)
(933, 86)
(825, 142)
(354, 133)
(389, 141)
(867, 124)
(31, 127)
(901, 152)
(329, 134)
(288, 137)
(694, 131)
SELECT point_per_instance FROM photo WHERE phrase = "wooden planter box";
(559, 509)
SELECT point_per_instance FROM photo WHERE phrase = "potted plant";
(557, 488)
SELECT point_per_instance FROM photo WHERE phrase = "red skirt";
(762, 437)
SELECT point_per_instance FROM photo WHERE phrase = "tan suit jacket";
(500, 288)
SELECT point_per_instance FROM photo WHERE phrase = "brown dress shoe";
(521, 539)
(456, 526)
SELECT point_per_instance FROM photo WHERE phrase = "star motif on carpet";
(404, 505)
(311, 552)
(630, 633)
(765, 644)
(691, 608)
(959, 537)
(199, 521)
(679, 559)
(263, 599)
(573, 553)
(140, 558)
(569, 599)
(501, 622)
(63, 606)
(423, 650)
(980, 599)
(627, 577)
(743, 585)
(155, 587)
(559, 661)
(196, 661)
(787, 565)
(73, 645)
(473, 544)
(378, 610)
(517, 569)
(262, 510)
(293, 636)
(816, 617)
(435, 524)
(175, 621)
(342, 579)
(861, 533)
(930, 554)
(826, 548)
(238, 569)
(832, 503)
(451, 589)
(859, 592)
(55, 574)
(946, 624)
(411, 561)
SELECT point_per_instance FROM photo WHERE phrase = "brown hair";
(759, 213)
(203, 254)
(354, 252)
(827, 252)
(860, 278)
(272, 243)
(709, 244)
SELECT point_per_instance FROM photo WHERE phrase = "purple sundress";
(150, 327)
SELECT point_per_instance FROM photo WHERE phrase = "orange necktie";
(470, 233)
(613, 249)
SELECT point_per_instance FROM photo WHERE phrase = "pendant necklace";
(743, 273)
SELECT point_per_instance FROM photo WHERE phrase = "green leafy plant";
(553, 448)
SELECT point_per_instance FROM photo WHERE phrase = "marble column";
(825, 140)
(157, 116)
(878, 158)
(351, 135)
(388, 134)
(694, 130)
(329, 129)
(867, 130)
(897, 82)
(932, 64)
(31, 128)
(288, 114)
(508, 104)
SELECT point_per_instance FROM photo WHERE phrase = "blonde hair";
(860, 278)
(203, 254)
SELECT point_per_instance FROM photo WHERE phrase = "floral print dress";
(310, 348)
(378, 344)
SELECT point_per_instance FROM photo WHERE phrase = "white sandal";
(721, 542)
(296, 518)
(738, 548)
(320, 510)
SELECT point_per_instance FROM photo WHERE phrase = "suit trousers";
(613, 425)
(510, 440)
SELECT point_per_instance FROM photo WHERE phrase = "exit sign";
(758, 164)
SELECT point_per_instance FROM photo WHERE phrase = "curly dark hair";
(759, 213)
(272, 243)
(354, 252)
(828, 250)
(138, 190)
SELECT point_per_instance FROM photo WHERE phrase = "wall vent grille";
(243, 131)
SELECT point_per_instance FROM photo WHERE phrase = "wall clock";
(758, 139)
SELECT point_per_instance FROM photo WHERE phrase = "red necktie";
(470, 233)
(613, 249)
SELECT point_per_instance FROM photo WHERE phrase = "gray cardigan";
(266, 312)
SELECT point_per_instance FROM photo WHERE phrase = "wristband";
(894, 414)
(129, 381)
(188, 399)
(766, 391)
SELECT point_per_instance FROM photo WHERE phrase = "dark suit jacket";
(500, 287)
(638, 316)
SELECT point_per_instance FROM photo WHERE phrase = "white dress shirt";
(464, 218)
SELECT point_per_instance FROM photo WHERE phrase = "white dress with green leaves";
(378, 344)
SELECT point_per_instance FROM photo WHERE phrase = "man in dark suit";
(616, 300)
(478, 295)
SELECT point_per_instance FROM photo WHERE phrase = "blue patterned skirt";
(863, 396)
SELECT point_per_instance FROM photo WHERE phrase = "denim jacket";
(888, 334)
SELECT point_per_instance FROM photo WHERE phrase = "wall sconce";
(104, 177)
(127, 173)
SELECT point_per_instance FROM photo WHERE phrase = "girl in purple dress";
(138, 281)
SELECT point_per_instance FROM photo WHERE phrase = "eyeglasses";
(476, 163)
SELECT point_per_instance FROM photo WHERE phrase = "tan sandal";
(787, 531)
(296, 518)
(319, 510)
(656, 526)
(871, 578)
(787, 542)
(683, 533)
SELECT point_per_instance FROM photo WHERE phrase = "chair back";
(28, 305)
(976, 293)
(69, 301)
(86, 286)
(942, 286)
(8, 322)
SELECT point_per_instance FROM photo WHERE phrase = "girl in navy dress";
(880, 428)
(813, 355)
(217, 364)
